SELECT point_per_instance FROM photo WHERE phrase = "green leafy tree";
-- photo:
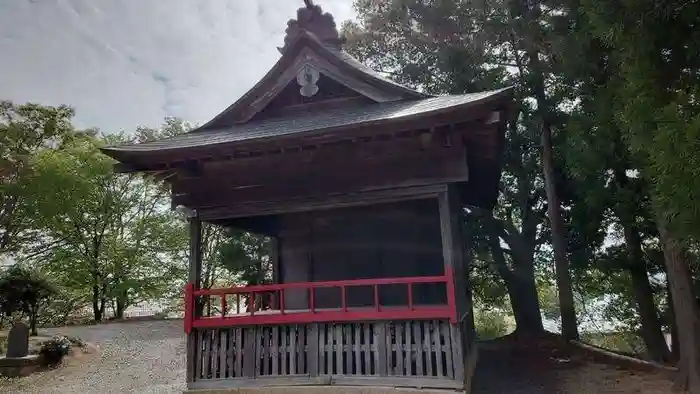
(25, 130)
(458, 47)
(27, 291)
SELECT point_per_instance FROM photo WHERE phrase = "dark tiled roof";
(302, 123)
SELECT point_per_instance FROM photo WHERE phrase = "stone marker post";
(18, 341)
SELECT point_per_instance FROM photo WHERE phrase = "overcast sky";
(125, 63)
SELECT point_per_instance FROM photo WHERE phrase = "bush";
(54, 350)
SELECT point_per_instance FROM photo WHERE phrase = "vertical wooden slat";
(417, 338)
(408, 338)
(322, 348)
(275, 356)
(239, 352)
(438, 349)
(368, 352)
(293, 350)
(329, 348)
(206, 360)
(347, 348)
(338, 349)
(399, 350)
(249, 356)
(388, 331)
(312, 352)
(428, 349)
(258, 335)
(194, 343)
(265, 350)
(357, 348)
(457, 354)
(449, 365)
(216, 349)
(381, 353)
(223, 352)
(283, 349)
(193, 354)
(301, 351)
(231, 353)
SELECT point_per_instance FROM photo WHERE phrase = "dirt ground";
(505, 367)
(149, 357)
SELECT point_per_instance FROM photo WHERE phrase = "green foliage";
(25, 290)
(25, 130)
(53, 351)
(491, 323)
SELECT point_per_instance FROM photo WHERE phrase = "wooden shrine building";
(359, 182)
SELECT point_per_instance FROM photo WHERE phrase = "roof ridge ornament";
(312, 19)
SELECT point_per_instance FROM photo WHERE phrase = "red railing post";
(312, 299)
(376, 297)
(252, 303)
(410, 296)
(224, 307)
(189, 307)
(343, 301)
(281, 301)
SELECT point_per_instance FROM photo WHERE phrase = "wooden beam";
(368, 197)
(195, 276)
(450, 207)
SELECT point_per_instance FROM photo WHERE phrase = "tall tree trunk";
(544, 110)
(522, 291)
(653, 336)
(671, 321)
(96, 309)
(33, 315)
(684, 305)
(121, 305)
(561, 261)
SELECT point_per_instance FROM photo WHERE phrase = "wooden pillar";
(450, 208)
(195, 277)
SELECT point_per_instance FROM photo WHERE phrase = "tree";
(457, 47)
(25, 290)
(114, 232)
(25, 130)
(654, 46)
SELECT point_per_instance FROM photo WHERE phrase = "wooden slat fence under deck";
(411, 353)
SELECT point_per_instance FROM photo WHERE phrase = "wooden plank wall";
(409, 349)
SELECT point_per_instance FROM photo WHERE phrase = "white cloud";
(127, 63)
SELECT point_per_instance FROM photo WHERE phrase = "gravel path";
(135, 357)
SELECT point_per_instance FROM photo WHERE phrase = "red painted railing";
(279, 315)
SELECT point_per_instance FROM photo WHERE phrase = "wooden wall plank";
(408, 338)
(368, 352)
(239, 352)
(206, 359)
(347, 348)
(313, 350)
(437, 346)
(457, 352)
(249, 356)
(323, 369)
(418, 340)
(275, 355)
(427, 343)
(192, 355)
(292, 350)
(357, 348)
(301, 351)
(338, 339)
(449, 361)
(399, 348)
